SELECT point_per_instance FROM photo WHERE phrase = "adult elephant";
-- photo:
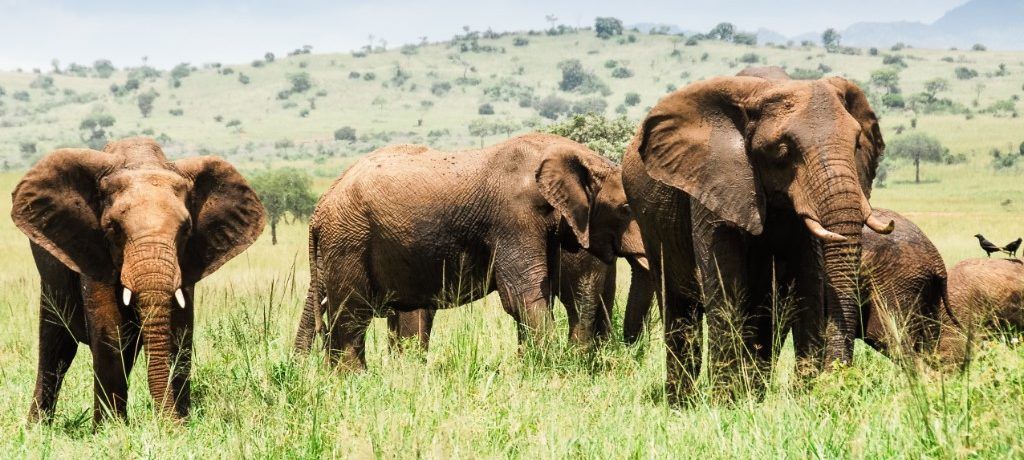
(120, 238)
(985, 295)
(584, 284)
(739, 181)
(409, 227)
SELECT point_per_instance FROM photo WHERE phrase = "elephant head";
(128, 217)
(586, 192)
(741, 144)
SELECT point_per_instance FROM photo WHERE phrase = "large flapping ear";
(58, 205)
(568, 186)
(870, 145)
(694, 140)
(227, 217)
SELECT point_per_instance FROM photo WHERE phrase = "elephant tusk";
(180, 298)
(324, 302)
(878, 226)
(126, 296)
(643, 262)
(818, 231)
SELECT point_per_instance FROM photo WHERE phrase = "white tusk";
(324, 302)
(126, 296)
(818, 231)
(879, 226)
(180, 297)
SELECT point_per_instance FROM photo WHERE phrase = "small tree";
(482, 128)
(284, 192)
(146, 102)
(723, 31)
(607, 27)
(103, 68)
(94, 129)
(830, 38)
(345, 133)
(301, 82)
(269, 57)
(917, 147)
(935, 86)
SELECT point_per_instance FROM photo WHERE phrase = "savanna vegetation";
(473, 394)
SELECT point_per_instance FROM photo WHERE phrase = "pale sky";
(33, 32)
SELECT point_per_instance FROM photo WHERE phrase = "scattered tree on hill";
(830, 38)
(103, 68)
(935, 86)
(145, 102)
(745, 38)
(916, 147)
(94, 129)
(606, 27)
(723, 31)
(301, 82)
(284, 192)
(965, 73)
(269, 57)
(632, 99)
(345, 133)
(485, 109)
(576, 78)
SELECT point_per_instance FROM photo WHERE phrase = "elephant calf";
(120, 238)
(408, 227)
(984, 294)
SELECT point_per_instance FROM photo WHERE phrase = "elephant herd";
(733, 192)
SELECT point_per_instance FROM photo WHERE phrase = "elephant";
(984, 295)
(905, 283)
(742, 183)
(583, 283)
(408, 227)
(120, 239)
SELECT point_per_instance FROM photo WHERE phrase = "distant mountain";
(997, 24)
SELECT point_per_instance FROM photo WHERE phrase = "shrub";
(576, 78)
(609, 137)
(243, 78)
(872, 51)
(485, 109)
(103, 68)
(353, 75)
(301, 82)
(632, 99)
(892, 59)
(893, 100)
(965, 73)
(22, 96)
(145, 102)
(750, 58)
(284, 144)
(181, 71)
(176, 112)
(806, 74)
(744, 38)
(257, 63)
(979, 47)
(622, 72)
(589, 105)
(369, 76)
(345, 133)
(233, 122)
(520, 41)
(552, 107)
(440, 88)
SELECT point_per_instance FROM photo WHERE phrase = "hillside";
(432, 93)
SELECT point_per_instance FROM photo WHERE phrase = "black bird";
(1011, 248)
(987, 245)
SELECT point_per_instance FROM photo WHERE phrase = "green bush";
(440, 88)
(750, 58)
(609, 137)
(606, 27)
(485, 109)
(622, 72)
(632, 99)
(965, 73)
(589, 105)
(520, 41)
(805, 74)
(345, 133)
(576, 78)
(552, 107)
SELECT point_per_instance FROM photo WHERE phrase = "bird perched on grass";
(1011, 249)
(987, 245)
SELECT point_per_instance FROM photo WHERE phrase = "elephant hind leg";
(410, 324)
(350, 308)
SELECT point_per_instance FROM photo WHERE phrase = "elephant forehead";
(143, 179)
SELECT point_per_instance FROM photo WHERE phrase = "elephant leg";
(410, 324)
(683, 340)
(808, 321)
(57, 348)
(606, 303)
(522, 284)
(349, 312)
(114, 341)
(182, 325)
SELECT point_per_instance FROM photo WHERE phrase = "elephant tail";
(943, 285)
(311, 322)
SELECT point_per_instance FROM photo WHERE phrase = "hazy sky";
(33, 32)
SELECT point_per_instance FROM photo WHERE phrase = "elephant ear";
(227, 217)
(870, 145)
(694, 140)
(567, 185)
(58, 204)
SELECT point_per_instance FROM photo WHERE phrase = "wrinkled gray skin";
(737, 181)
(583, 283)
(408, 227)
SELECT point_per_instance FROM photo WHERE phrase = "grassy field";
(472, 395)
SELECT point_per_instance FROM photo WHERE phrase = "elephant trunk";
(151, 273)
(838, 205)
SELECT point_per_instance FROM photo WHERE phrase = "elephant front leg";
(114, 341)
(808, 321)
(524, 291)
(57, 348)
